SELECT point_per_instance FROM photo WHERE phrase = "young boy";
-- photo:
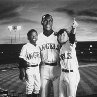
(70, 77)
(30, 56)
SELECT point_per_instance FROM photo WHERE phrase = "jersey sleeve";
(23, 52)
(72, 38)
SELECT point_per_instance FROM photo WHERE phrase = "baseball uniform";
(31, 54)
(70, 77)
(50, 68)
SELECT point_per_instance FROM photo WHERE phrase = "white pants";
(68, 84)
(33, 82)
(48, 74)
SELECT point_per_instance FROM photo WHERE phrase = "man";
(30, 57)
(50, 68)
(70, 77)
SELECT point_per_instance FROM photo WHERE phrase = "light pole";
(14, 28)
(19, 28)
(10, 29)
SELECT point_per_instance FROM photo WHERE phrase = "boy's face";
(62, 38)
(33, 38)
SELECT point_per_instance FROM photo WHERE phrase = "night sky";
(28, 14)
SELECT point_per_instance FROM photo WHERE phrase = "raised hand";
(75, 24)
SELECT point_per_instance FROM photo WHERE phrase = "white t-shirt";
(48, 47)
(31, 54)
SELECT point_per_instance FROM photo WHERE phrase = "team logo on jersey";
(33, 55)
(49, 46)
(66, 55)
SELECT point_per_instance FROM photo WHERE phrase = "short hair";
(30, 32)
(61, 31)
(44, 17)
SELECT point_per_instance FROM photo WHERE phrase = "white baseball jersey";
(49, 54)
(68, 59)
(31, 54)
(49, 48)
(68, 80)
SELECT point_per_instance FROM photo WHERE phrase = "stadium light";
(81, 52)
(90, 45)
(14, 28)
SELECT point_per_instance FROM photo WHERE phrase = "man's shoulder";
(40, 34)
(54, 34)
(26, 45)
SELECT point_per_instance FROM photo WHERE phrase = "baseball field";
(9, 79)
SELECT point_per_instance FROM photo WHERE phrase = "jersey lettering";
(33, 55)
(48, 46)
(65, 56)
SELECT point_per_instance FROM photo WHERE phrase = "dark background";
(86, 51)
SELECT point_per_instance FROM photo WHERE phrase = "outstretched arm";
(74, 26)
(73, 32)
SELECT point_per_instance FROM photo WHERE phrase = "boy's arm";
(73, 32)
(22, 58)
(72, 36)
(23, 63)
(74, 26)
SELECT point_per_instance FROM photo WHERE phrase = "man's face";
(33, 38)
(47, 23)
(62, 38)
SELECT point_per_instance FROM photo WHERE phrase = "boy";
(70, 77)
(30, 56)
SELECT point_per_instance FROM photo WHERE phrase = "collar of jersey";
(50, 35)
